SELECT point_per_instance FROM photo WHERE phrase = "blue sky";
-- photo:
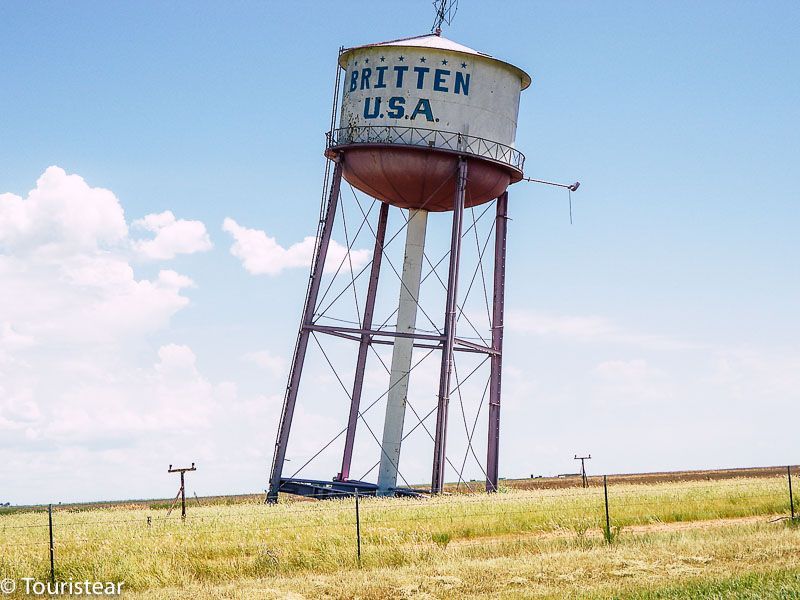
(659, 331)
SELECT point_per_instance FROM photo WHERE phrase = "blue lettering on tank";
(353, 81)
(396, 107)
(365, 74)
(381, 72)
(400, 70)
(439, 80)
(462, 82)
(423, 107)
(420, 71)
(376, 112)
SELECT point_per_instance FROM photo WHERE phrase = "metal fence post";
(608, 520)
(791, 496)
(52, 544)
(358, 531)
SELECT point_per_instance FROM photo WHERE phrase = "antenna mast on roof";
(445, 12)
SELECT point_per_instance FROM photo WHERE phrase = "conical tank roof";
(438, 42)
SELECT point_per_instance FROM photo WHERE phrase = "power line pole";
(583, 460)
(182, 491)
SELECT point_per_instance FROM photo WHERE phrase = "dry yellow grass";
(748, 561)
(539, 543)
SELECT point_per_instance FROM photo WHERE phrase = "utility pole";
(583, 460)
(182, 491)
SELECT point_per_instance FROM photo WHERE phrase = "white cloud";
(108, 422)
(85, 399)
(18, 408)
(275, 365)
(10, 338)
(86, 298)
(629, 383)
(263, 255)
(64, 265)
(745, 374)
(171, 279)
(176, 357)
(71, 303)
(172, 236)
(626, 370)
(62, 213)
(588, 328)
(536, 323)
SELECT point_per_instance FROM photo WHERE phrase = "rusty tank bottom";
(421, 178)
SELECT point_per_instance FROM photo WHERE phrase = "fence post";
(358, 530)
(608, 520)
(791, 496)
(52, 544)
(149, 522)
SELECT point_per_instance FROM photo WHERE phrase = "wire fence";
(377, 525)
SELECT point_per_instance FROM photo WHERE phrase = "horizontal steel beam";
(373, 332)
(432, 347)
(476, 347)
(349, 333)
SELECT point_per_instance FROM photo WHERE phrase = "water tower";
(425, 125)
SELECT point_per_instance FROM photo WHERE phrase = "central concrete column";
(402, 351)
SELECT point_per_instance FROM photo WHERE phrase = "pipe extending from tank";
(570, 186)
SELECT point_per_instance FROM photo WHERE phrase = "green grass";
(779, 584)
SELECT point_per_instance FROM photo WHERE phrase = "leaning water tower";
(426, 125)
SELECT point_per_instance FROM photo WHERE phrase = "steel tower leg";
(366, 340)
(439, 456)
(402, 351)
(302, 337)
(498, 309)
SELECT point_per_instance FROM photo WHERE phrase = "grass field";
(696, 537)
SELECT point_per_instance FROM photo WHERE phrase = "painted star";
(422, 59)
(366, 61)
(463, 65)
(444, 62)
(401, 58)
(383, 58)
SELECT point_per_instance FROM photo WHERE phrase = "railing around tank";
(427, 138)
